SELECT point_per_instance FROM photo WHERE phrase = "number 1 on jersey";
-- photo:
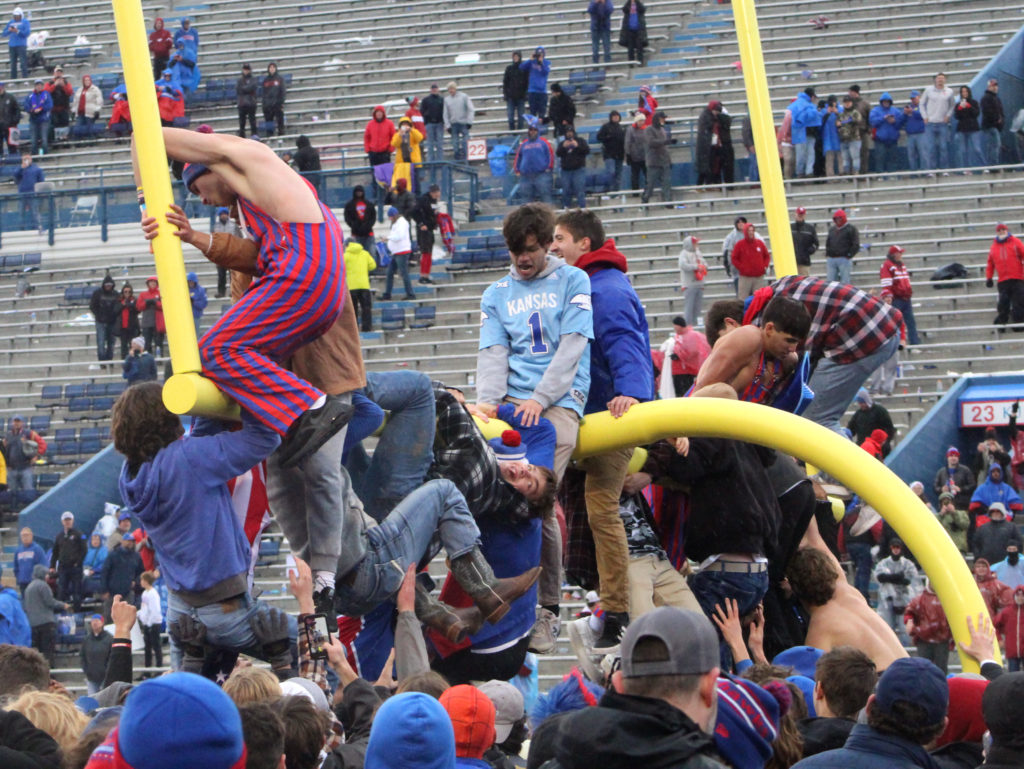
(537, 331)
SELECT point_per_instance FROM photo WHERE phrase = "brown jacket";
(333, 362)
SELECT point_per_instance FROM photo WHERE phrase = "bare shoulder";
(745, 340)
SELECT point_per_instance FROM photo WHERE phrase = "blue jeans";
(838, 269)
(20, 478)
(887, 156)
(938, 145)
(851, 156)
(538, 103)
(602, 37)
(1013, 664)
(574, 186)
(435, 142)
(432, 517)
(992, 142)
(398, 262)
(40, 133)
(906, 306)
(613, 169)
(19, 54)
(105, 333)
(460, 135)
(712, 588)
(969, 147)
(514, 110)
(753, 172)
(405, 447)
(535, 187)
(917, 151)
(893, 616)
(860, 554)
(835, 384)
(224, 629)
(29, 212)
(805, 157)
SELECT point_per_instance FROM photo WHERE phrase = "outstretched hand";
(177, 218)
(300, 585)
(529, 411)
(728, 622)
(406, 598)
(983, 639)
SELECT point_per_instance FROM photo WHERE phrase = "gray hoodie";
(458, 109)
(39, 602)
(492, 362)
(690, 258)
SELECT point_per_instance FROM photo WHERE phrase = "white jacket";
(399, 239)
(150, 613)
(93, 101)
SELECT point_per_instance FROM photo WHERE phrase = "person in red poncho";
(1009, 623)
(751, 258)
(874, 442)
(161, 43)
(1006, 263)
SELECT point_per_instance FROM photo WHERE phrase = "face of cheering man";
(531, 260)
(567, 247)
(528, 480)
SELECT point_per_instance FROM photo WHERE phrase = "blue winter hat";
(411, 731)
(806, 686)
(192, 172)
(198, 723)
(575, 692)
(917, 681)
(914, 93)
(509, 446)
(803, 659)
(223, 210)
(192, 277)
(748, 723)
(167, 72)
(392, 211)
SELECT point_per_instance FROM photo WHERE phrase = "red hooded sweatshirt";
(874, 442)
(1009, 623)
(1005, 257)
(750, 256)
(161, 41)
(378, 133)
(895, 277)
(930, 624)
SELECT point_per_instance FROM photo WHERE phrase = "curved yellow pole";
(874, 482)
(759, 106)
(186, 391)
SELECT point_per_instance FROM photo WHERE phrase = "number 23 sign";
(985, 413)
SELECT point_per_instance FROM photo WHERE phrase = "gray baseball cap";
(508, 706)
(691, 641)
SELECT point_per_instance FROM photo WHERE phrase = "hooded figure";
(406, 144)
(887, 120)
(307, 162)
(993, 537)
(995, 489)
(197, 295)
(273, 97)
(1009, 623)
(995, 594)
(377, 136)
(411, 730)
(692, 272)
(874, 442)
(715, 156)
(360, 216)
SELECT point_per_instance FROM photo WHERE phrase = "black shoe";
(323, 600)
(426, 280)
(313, 429)
(615, 624)
(385, 297)
(410, 297)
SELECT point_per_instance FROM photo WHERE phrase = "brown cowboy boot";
(454, 624)
(491, 594)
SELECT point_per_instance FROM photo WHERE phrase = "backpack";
(948, 273)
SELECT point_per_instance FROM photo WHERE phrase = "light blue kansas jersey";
(529, 317)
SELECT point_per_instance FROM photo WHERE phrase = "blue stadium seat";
(92, 390)
(50, 396)
(89, 447)
(78, 409)
(596, 76)
(65, 434)
(47, 480)
(40, 424)
(64, 453)
(114, 388)
(74, 391)
(89, 433)
(392, 318)
(476, 242)
(423, 317)
(104, 404)
(461, 260)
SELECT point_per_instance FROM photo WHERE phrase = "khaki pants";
(602, 489)
(788, 161)
(746, 286)
(803, 269)
(567, 427)
(653, 582)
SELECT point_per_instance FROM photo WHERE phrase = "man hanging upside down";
(297, 295)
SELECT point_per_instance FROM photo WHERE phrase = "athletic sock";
(322, 579)
(553, 608)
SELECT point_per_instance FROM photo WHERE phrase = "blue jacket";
(27, 178)
(24, 559)
(830, 130)
(867, 749)
(17, 32)
(190, 38)
(197, 295)
(181, 497)
(96, 558)
(620, 355)
(139, 368)
(14, 627)
(538, 74)
(913, 123)
(805, 115)
(124, 567)
(600, 15)
(534, 157)
(886, 132)
(36, 100)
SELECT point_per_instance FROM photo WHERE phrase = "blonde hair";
(246, 686)
(54, 714)
(148, 577)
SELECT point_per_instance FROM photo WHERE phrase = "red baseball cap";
(801, 210)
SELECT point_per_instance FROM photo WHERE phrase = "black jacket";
(10, 110)
(514, 83)
(821, 734)
(22, 746)
(842, 241)
(561, 109)
(246, 88)
(273, 90)
(998, 758)
(355, 711)
(613, 139)
(991, 111)
(121, 572)
(425, 212)
(94, 654)
(405, 202)
(805, 241)
(624, 29)
(432, 108)
(306, 157)
(361, 228)
(732, 506)
(705, 129)
(105, 305)
(958, 755)
(573, 158)
(625, 732)
(69, 550)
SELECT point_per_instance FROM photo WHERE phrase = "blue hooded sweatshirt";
(17, 32)
(886, 132)
(830, 130)
(411, 731)
(27, 178)
(181, 497)
(14, 627)
(914, 123)
(805, 115)
(198, 296)
(996, 491)
(190, 39)
(24, 559)
(534, 156)
(538, 73)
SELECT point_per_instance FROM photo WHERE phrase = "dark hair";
(583, 223)
(788, 316)
(429, 682)
(714, 318)
(535, 219)
(513, 744)
(305, 729)
(812, 575)
(540, 506)
(906, 720)
(847, 677)
(141, 425)
(78, 755)
(970, 94)
(556, 88)
(651, 649)
(22, 668)
(263, 731)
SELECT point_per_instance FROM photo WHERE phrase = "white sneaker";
(545, 632)
(582, 639)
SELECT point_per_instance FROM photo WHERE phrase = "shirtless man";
(753, 362)
(297, 296)
(839, 614)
